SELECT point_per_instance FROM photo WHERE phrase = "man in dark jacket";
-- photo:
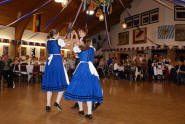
(1, 69)
(7, 71)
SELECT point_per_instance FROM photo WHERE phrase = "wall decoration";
(24, 43)
(145, 18)
(179, 13)
(154, 15)
(166, 32)
(129, 22)
(180, 32)
(5, 41)
(36, 22)
(136, 20)
(123, 38)
(43, 52)
(139, 36)
(23, 51)
(33, 52)
(5, 50)
(37, 44)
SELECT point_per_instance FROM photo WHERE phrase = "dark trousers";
(1, 74)
(77, 62)
(70, 73)
(181, 78)
(144, 74)
(8, 75)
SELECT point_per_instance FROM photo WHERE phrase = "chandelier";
(99, 7)
(63, 2)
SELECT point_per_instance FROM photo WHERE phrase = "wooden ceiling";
(9, 13)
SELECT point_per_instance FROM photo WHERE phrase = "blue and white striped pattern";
(166, 32)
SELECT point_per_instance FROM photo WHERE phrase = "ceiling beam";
(21, 26)
(65, 17)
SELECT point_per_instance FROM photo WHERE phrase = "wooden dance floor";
(125, 102)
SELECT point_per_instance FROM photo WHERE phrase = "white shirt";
(121, 68)
(116, 66)
(61, 42)
(72, 63)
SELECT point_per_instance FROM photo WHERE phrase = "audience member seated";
(71, 62)
(34, 61)
(144, 67)
(27, 60)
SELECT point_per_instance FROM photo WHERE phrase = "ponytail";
(52, 33)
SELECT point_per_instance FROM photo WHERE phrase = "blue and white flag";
(166, 32)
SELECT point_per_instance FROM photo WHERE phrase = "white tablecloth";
(30, 68)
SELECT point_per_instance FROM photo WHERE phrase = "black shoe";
(75, 106)
(58, 106)
(88, 116)
(81, 112)
(48, 108)
(95, 106)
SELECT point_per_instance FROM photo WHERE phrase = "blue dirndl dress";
(55, 78)
(85, 85)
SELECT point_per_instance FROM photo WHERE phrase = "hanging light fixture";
(101, 17)
(90, 12)
(64, 2)
(124, 25)
(98, 13)
(91, 8)
(59, 1)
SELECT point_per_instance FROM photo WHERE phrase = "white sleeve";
(61, 43)
(76, 49)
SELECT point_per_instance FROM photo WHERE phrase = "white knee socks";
(89, 107)
(80, 106)
(49, 95)
(59, 96)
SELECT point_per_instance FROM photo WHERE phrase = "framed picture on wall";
(139, 36)
(5, 50)
(145, 18)
(42, 52)
(180, 32)
(123, 38)
(166, 32)
(154, 16)
(129, 22)
(137, 20)
(23, 51)
(179, 13)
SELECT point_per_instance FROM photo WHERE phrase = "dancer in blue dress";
(82, 32)
(55, 78)
(85, 85)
